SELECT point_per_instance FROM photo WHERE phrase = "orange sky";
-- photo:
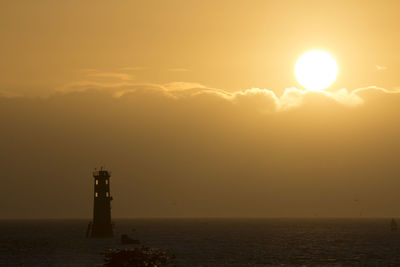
(193, 107)
(232, 46)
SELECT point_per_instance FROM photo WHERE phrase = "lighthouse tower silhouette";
(101, 225)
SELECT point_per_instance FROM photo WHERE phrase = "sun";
(316, 70)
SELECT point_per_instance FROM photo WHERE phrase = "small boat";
(125, 240)
(393, 225)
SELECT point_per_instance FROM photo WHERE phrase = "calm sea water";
(209, 242)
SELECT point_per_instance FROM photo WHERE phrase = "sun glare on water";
(316, 70)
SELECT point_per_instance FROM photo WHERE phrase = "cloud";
(380, 68)
(9, 94)
(376, 88)
(264, 100)
(180, 86)
(113, 75)
(261, 99)
(88, 70)
(178, 70)
(132, 68)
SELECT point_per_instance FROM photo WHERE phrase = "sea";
(208, 242)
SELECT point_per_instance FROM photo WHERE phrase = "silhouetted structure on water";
(101, 225)
(127, 240)
(393, 225)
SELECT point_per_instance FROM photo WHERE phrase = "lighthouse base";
(100, 231)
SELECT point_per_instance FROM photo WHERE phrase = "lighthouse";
(101, 225)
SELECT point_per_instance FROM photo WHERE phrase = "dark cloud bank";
(194, 151)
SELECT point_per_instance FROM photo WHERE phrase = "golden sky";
(195, 108)
(222, 44)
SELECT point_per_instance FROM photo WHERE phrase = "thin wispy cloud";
(178, 70)
(132, 68)
(380, 68)
(113, 75)
(9, 94)
(88, 70)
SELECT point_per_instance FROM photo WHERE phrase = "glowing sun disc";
(316, 70)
